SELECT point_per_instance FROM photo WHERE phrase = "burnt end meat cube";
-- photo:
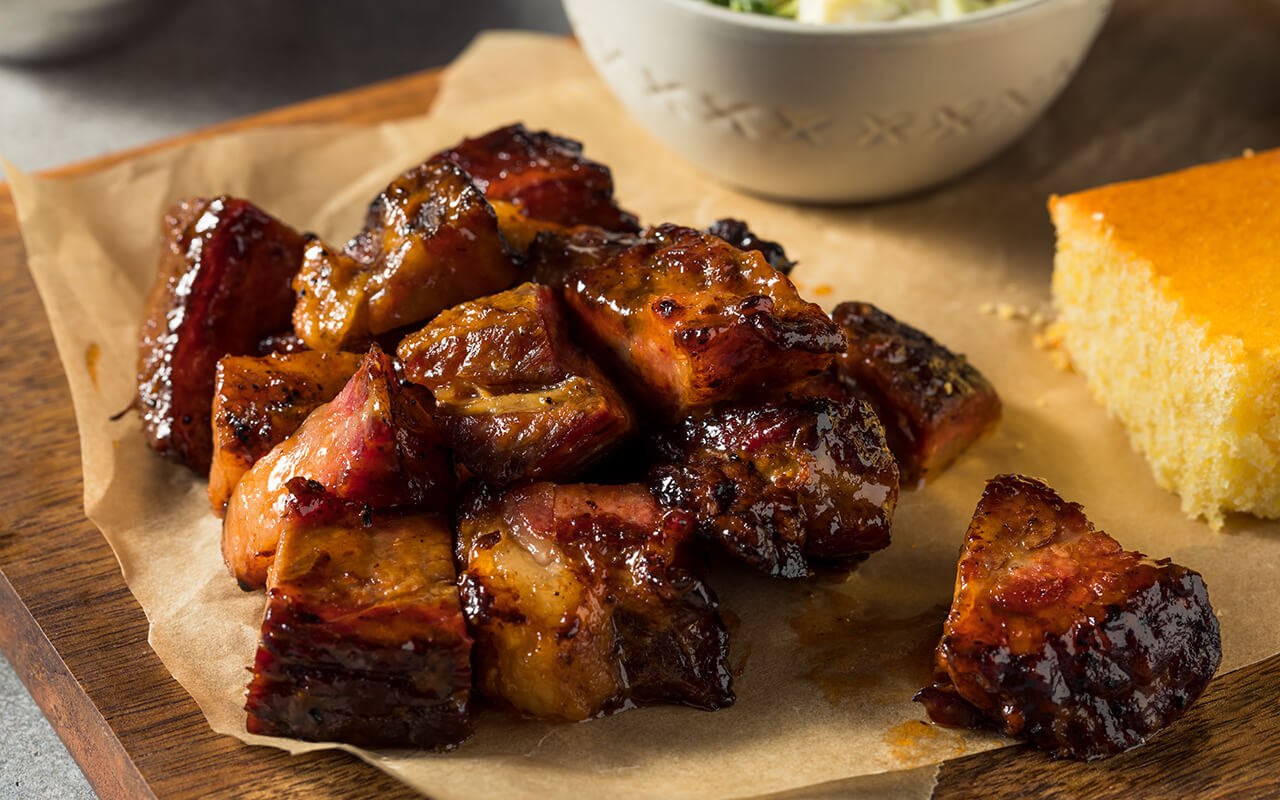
(736, 233)
(258, 401)
(221, 286)
(554, 256)
(515, 397)
(783, 486)
(692, 321)
(1059, 636)
(544, 176)
(375, 443)
(933, 402)
(363, 640)
(581, 600)
(431, 241)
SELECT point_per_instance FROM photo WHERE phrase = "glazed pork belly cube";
(375, 444)
(431, 241)
(543, 176)
(933, 402)
(692, 321)
(556, 254)
(783, 486)
(1060, 636)
(515, 397)
(737, 233)
(223, 283)
(363, 640)
(581, 600)
(259, 401)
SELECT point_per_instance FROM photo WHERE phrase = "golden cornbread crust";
(1168, 295)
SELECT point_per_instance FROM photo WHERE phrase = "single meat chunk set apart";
(1060, 636)
(433, 528)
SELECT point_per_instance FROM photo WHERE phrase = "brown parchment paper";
(828, 667)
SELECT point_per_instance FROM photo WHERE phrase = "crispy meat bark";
(431, 241)
(258, 401)
(1058, 635)
(375, 444)
(556, 255)
(363, 640)
(581, 601)
(783, 485)
(933, 402)
(543, 176)
(222, 284)
(515, 397)
(692, 321)
(736, 233)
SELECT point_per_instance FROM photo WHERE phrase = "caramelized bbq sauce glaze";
(543, 176)
(1059, 636)
(585, 599)
(430, 241)
(515, 397)
(363, 640)
(933, 402)
(375, 443)
(691, 321)
(259, 401)
(221, 286)
(783, 485)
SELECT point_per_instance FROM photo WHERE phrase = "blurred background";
(184, 65)
(181, 66)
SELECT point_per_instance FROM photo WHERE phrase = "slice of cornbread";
(1168, 294)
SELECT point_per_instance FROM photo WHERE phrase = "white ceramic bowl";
(834, 113)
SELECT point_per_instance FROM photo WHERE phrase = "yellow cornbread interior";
(1168, 295)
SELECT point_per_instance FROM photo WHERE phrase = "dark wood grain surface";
(78, 639)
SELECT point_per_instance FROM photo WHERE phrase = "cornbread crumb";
(1168, 294)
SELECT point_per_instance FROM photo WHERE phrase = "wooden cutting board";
(79, 640)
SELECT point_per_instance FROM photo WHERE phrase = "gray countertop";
(202, 64)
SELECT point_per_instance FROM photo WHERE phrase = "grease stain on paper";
(909, 740)
(91, 354)
(851, 649)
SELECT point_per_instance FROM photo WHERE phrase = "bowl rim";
(887, 29)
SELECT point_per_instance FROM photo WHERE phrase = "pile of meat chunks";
(399, 433)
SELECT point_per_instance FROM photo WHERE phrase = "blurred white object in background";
(840, 112)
